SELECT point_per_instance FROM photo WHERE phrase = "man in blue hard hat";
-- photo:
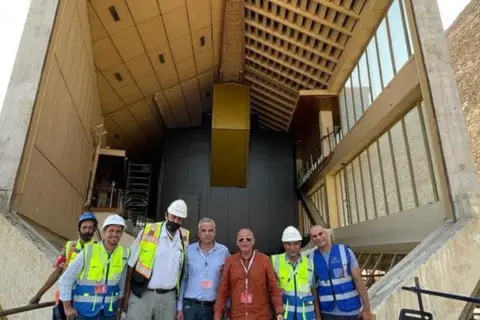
(87, 225)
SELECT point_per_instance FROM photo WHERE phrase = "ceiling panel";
(161, 48)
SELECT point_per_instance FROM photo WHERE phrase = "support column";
(441, 97)
(22, 91)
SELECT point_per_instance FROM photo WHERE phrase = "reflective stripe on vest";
(100, 270)
(73, 248)
(148, 246)
(296, 286)
(335, 284)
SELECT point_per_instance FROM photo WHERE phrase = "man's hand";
(179, 315)
(70, 312)
(366, 314)
(35, 300)
(279, 316)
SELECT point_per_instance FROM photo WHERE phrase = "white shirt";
(167, 259)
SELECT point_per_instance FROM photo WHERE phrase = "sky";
(14, 13)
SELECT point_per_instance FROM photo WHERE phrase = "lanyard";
(247, 269)
(294, 271)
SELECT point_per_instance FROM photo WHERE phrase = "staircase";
(138, 189)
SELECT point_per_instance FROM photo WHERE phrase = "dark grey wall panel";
(267, 205)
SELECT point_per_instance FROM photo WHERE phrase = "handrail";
(30, 307)
(318, 153)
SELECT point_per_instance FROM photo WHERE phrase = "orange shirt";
(262, 284)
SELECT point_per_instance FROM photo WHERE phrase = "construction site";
(357, 115)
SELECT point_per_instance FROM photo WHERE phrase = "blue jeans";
(193, 311)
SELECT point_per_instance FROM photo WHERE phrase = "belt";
(162, 291)
(200, 303)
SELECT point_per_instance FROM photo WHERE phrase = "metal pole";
(419, 291)
(29, 307)
(419, 296)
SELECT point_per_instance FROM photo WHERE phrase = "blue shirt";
(202, 267)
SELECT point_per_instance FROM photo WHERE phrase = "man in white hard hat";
(156, 266)
(295, 276)
(92, 287)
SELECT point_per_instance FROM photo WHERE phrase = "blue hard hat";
(87, 215)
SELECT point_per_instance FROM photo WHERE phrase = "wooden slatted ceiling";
(154, 59)
(293, 45)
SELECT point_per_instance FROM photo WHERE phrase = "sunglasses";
(245, 239)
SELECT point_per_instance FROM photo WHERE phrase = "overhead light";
(114, 13)
(118, 76)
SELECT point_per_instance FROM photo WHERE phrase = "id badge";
(338, 273)
(100, 289)
(246, 298)
(206, 284)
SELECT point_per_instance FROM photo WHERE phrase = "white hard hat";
(178, 208)
(291, 234)
(113, 219)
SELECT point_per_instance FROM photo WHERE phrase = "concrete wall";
(56, 164)
(463, 41)
(18, 279)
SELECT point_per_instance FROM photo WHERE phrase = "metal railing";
(107, 197)
(321, 151)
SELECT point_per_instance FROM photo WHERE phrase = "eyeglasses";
(245, 239)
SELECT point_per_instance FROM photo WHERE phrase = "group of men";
(163, 277)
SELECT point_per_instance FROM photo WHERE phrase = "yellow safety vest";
(148, 246)
(98, 285)
(73, 248)
(296, 286)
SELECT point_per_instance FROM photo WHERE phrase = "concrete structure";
(397, 179)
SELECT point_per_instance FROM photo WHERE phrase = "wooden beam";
(113, 152)
(317, 92)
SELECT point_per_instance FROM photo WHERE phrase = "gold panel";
(230, 135)
(231, 107)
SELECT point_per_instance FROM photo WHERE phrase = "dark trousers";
(196, 311)
(326, 316)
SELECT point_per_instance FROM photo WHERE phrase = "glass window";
(367, 186)
(343, 111)
(384, 53)
(403, 167)
(357, 97)
(377, 180)
(364, 82)
(374, 69)
(349, 104)
(397, 35)
(405, 19)
(338, 187)
(351, 199)
(418, 153)
(357, 176)
(388, 174)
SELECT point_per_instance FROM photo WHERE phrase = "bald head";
(319, 236)
(245, 240)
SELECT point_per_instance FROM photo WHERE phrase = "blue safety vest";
(98, 285)
(335, 285)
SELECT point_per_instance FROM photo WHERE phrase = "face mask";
(172, 226)
(86, 236)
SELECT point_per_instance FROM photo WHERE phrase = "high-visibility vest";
(296, 286)
(148, 246)
(72, 248)
(100, 271)
(335, 285)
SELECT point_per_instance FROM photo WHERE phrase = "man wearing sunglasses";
(249, 280)
(341, 290)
